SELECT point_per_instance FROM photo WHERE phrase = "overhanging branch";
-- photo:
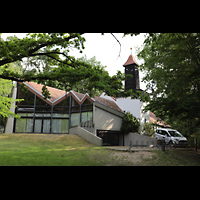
(11, 78)
(119, 44)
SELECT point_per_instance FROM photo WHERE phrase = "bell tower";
(131, 67)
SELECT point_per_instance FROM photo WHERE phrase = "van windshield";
(175, 134)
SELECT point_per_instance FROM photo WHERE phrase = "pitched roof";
(54, 93)
(108, 103)
(130, 60)
(59, 95)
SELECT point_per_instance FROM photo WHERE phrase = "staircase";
(86, 130)
(88, 125)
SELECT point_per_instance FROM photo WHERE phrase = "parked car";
(171, 137)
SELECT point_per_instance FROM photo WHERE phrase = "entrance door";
(110, 138)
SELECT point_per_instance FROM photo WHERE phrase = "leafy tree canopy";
(82, 86)
(172, 68)
(5, 96)
(129, 123)
(47, 58)
(53, 49)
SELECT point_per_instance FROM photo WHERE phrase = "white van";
(171, 137)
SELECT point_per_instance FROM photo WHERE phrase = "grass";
(71, 150)
(50, 150)
(177, 157)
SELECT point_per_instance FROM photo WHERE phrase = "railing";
(87, 124)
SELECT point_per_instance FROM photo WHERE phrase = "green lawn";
(71, 150)
(49, 150)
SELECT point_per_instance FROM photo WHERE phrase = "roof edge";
(40, 95)
(109, 109)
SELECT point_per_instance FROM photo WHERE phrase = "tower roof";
(130, 60)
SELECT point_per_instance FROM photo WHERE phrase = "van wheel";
(170, 144)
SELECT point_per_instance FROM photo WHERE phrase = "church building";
(134, 106)
(97, 119)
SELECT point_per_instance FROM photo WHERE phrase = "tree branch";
(11, 78)
(50, 43)
(54, 52)
(30, 52)
(119, 44)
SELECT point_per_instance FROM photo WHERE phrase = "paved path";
(126, 148)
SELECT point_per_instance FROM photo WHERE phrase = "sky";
(106, 49)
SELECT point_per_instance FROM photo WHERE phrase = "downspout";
(70, 105)
(34, 114)
(51, 118)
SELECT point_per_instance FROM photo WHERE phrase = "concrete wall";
(86, 135)
(138, 139)
(131, 105)
(106, 121)
(134, 106)
(144, 117)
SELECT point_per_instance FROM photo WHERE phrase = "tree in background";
(5, 96)
(129, 123)
(148, 129)
(172, 68)
(39, 52)
(55, 48)
(82, 86)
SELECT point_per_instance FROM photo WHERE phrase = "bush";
(148, 129)
(129, 123)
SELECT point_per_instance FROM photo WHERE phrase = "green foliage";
(45, 50)
(5, 99)
(129, 123)
(85, 85)
(172, 68)
(46, 58)
(148, 129)
(46, 92)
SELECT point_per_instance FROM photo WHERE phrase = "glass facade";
(37, 116)
(60, 125)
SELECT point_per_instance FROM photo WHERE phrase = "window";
(46, 126)
(38, 126)
(75, 106)
(42, 106)
(24, 125)
(164, 133)
(87, 106)
(60, 125)
(175, 134)
(86, 116)
(75, 119)
(63, 106)
(60, 115)
(24, 93)
(159, 131)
